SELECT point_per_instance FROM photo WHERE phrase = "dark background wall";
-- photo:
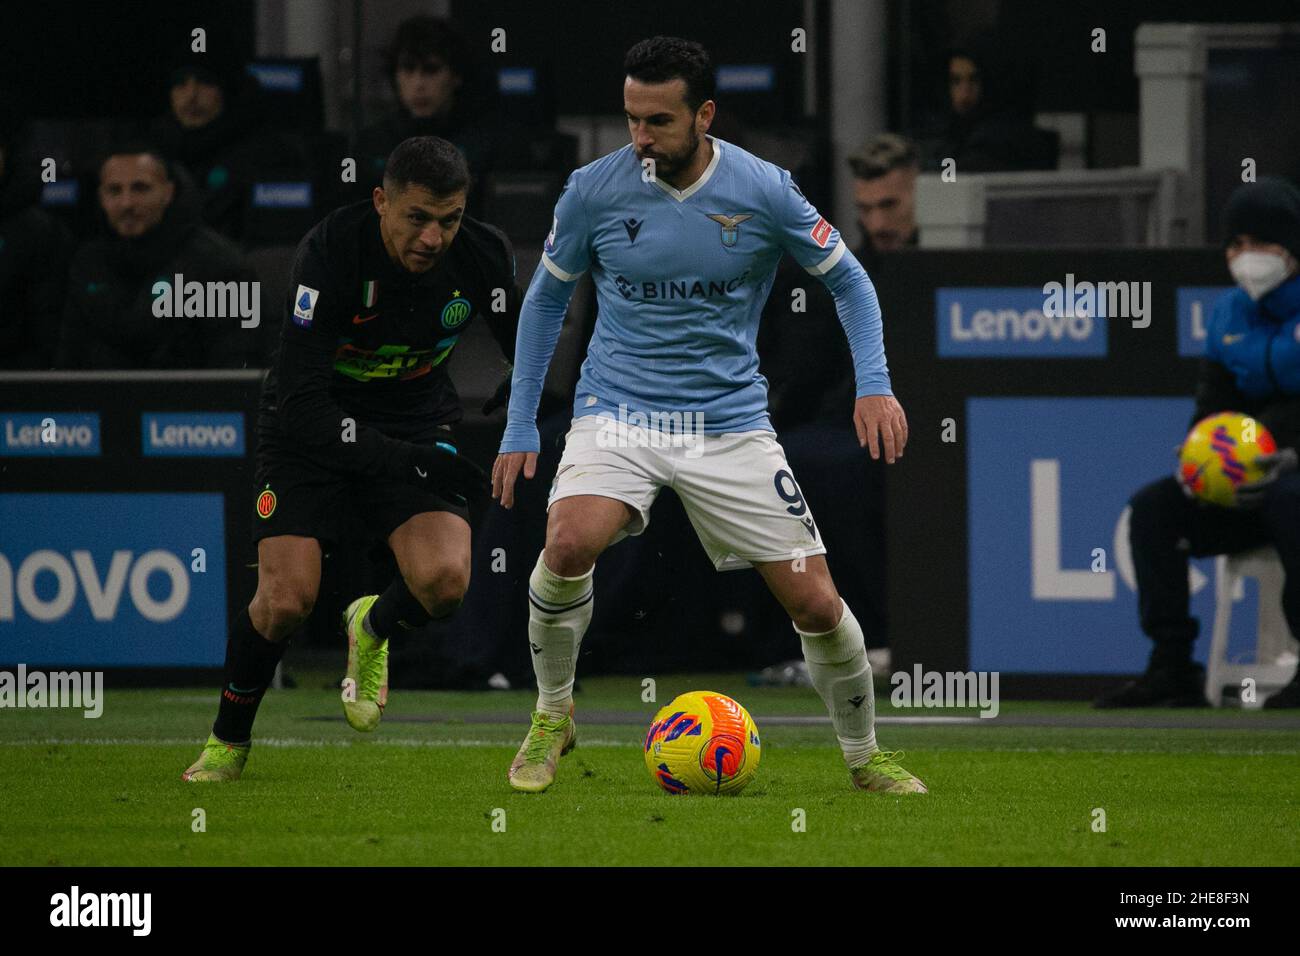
(49, 50)
(95, 60)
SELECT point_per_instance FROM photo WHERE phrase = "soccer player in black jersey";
(358, 410)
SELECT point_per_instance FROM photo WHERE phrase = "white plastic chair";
(1275, 648)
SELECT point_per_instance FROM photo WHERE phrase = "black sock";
(396, 611)
(1172, 654)
(250, 666)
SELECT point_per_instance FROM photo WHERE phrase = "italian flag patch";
(369, 293)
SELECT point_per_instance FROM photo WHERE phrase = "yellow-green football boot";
(219, 762)
(365, 688)
(549, 738)
(881, 774)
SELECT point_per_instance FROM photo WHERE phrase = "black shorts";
(296, 494)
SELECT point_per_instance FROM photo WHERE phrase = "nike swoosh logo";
(421, 472)
(1230, 339)
(360, 320)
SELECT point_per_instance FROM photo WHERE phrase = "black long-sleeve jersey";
(364, 339)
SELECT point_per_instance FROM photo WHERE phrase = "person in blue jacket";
(1252, 366)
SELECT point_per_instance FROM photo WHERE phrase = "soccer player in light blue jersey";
(682, 234)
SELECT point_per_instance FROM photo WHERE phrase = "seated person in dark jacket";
(989, 124)
(34, 251)
(431, 70)
(117, 314)
(1252, 366)
(212, 129)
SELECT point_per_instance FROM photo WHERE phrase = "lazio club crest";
(730, 226)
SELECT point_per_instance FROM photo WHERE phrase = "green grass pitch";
(428, 787)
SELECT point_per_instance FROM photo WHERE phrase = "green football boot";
(549, 738)
(882, 775)
(365, 688)
(219, 762)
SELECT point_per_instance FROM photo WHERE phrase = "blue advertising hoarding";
(49, 433)
(1195, 303)
(112, 579)
(1009, 322)
(192, 434)
(1049, 481)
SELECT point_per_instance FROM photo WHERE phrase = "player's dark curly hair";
(661, 59)
(427, 161)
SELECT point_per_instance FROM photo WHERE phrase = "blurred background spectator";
(34, 250)
(209, 129)
(438, 92)
(242, 158)
(884, 195)
(154, 234)
(988, 123)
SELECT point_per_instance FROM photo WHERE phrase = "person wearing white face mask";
(1252, 366)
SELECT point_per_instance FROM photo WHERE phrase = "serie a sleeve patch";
(304, 305)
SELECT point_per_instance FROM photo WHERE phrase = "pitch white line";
(289, 742)
(302, 742)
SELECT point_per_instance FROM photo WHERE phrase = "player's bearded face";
(669, 163)
(418, 227)
(662, 126)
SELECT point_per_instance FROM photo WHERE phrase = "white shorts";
(737, 488)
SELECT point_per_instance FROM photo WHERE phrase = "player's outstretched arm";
(565, 256)
(878, 418)
(540, 321)
(505, 472)
(817, 246)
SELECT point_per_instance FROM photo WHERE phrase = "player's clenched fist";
(506, 470)
(881, 414)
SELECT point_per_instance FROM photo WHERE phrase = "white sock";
(837, 664)
(559, 610)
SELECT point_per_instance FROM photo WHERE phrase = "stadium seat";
(327, 151)
(76, 147)
(521, 203)
(278, 211)
(284, 199)
(537, 150)
(528, 171)
(1275, 649)
(297, 172)
(525, 96)
(290, 89)
(272, 265)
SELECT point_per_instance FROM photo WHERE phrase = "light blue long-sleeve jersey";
(681, 279)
